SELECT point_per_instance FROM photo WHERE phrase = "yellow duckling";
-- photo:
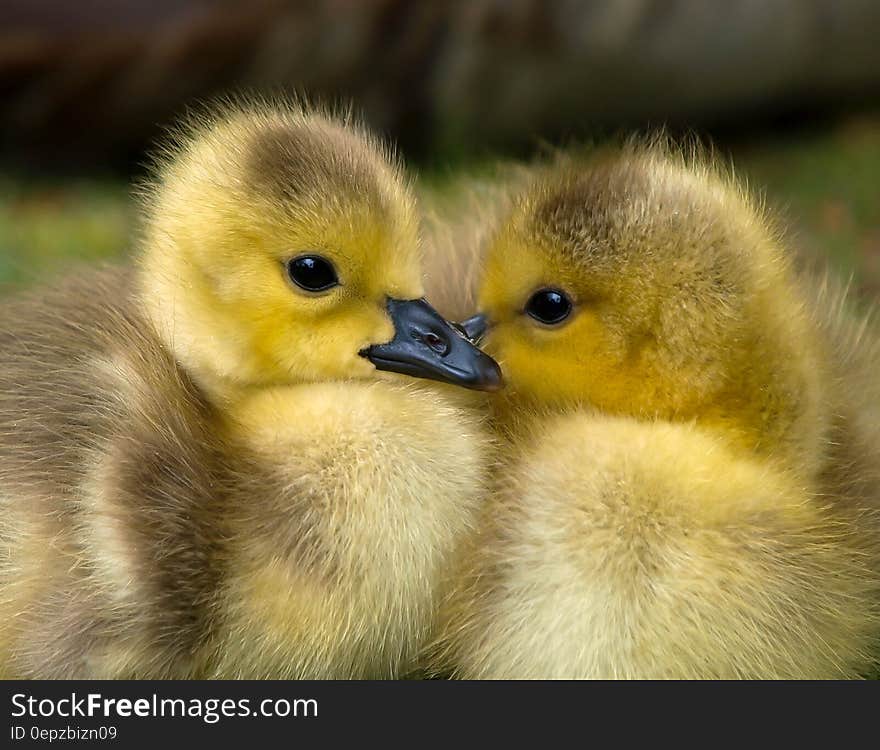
(691, 476)
(202, 471)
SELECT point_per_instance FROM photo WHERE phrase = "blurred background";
(789, 90)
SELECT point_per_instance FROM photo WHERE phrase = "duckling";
(691, 458)
(218, 462)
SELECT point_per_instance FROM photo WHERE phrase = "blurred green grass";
(47, 225)
(826, 188)
(825, 184)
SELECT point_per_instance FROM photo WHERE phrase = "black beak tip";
(490, 378)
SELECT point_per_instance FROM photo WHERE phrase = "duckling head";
(639, 282)
(281, 247)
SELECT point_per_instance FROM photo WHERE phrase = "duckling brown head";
(281, 247)
(642, 283)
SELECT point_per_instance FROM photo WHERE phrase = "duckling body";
(690, 482)
(203, 473)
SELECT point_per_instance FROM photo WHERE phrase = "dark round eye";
(312, 273)
(549, 306)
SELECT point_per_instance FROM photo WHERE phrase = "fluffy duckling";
(211, 464)
(691, 470)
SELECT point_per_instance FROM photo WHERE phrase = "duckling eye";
(312, 273)
(549, 306)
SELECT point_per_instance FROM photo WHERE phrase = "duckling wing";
(105, 467)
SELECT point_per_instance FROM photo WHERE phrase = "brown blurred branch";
(92, 80)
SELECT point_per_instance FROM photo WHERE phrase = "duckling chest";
(355, 485)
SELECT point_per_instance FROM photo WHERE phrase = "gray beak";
(425, 345)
